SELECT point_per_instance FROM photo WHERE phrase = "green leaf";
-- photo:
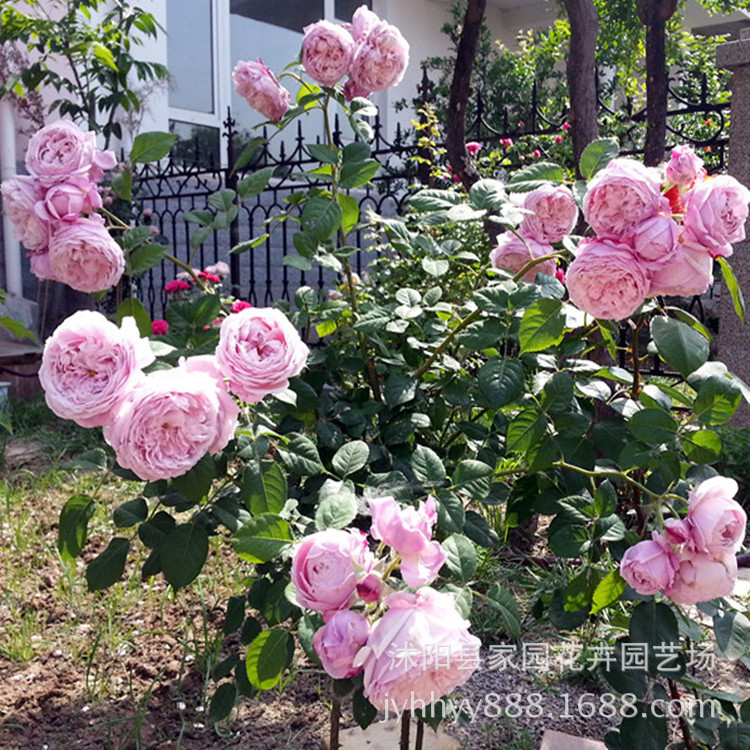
(350, 458)
(542, 326)
(501, 381)
(337, 507)
(653, 623)
(427, 466)
(151, 146)
(679, 345)
(568, 539)
(473, 477)
(17, 328)
(597, 155)
(501, 600)
(487, 194)
(364, 712)
(350, 209)
(196, 483)
(200, 217)
(321, 152)
(435, 266)
(235, 614)
(248, 153)
(301, 456)
(255, 183)
(108, 567)
(400, 390)
(653, 426)
(701, 446)
(322, 217)
(734, 736)
(462, 556)
(222, 702)
(133, 308)
(608, 591)
(262, 538)
(93, 460)
(183, 554)
(267, 657)
(732, 632)
(73, 525)
(146, 257)
(537, 175)
(450, 510)
(479, 531)
(525, 430)
(222, 200)
(104, 55)
(717, 400)
(734, 288)
(264, 488)
(130, 513)
(357, 174)
(122, 184)
(153, 533)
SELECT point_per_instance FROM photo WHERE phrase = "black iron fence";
(165, 192)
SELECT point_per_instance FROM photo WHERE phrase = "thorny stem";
(684, 728)
(333, 740)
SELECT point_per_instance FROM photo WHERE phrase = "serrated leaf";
(262, 538)
(537, 175)
(679, 345)
(427, 466)
(267, 657)
(73, 525)
(183, 554)
(542, 326)
(255, 183)
(322, 217)
(735, 291)
(462, 556)
(264, 487)
(130, 513)
(148, 147)
(501, 381)
(350, 458)
(107, 568)
(608, 591)
(222, 702)
(337, 507)
(500, 599)
(597, 155)
(301, 456)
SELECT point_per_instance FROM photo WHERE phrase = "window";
(289, 14)
(345, 8)
(196, 144)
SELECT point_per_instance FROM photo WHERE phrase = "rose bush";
(443, 390)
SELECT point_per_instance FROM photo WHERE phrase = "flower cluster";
(52, 209)
(371, 52)
(335, 570)
(653, 237)
(162, 423)
(552, 213)
(694, 559)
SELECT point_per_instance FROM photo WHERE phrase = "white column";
(13, 278)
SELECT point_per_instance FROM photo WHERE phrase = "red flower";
(178, 285)
(566, 126)
(159, 327)
(211, 277)
(239, 305)
(536, 153)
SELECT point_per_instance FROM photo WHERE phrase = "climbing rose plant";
(355, 479)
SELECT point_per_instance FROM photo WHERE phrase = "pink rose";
(716, 212)
(620, 197)
(256, 83)
(555, 214)
(700, 578)
(178, 285)
(690, 270)
(649, 566)
(423, 567)
(606, 280)
(239, 305)
(380, 59)
(683, 166)
(89, 366)
(259, 350)
(326, 566)
(59, 151)
(369, 588)
(40, 267)
(513, 253)
(718, 521)
(159, 327)
(66, 201)
(655, 240)
(352, 91)
(680, 532)
(326, 52)
(420, 648)
(338, 642)
(220, 269)
(102, 162)
(363, 21)
(405, 528)
(473, 148)
(20, 195)
(170, 421)
(83, 255)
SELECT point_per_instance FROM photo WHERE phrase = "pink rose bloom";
(89, 366)
(606, 280)
(338, 642)
(239, 306)
(620, 197)
(369, 588)
(83, 255)
(59, 151)
(536, 153)
(718, 521)
(683, 166)
(700, 578)
(363, 21)
(66, 201)
(326, 52)
(716, 212)
(689, 272)
(159, 327)
(220, 269)
(405, 528)
(680, 532)
(178, 285)
(655, 240)
(423, 567)
(352, 91)
(102, 162)
(20, 195)
(259, 350)
(380, 59)
(560, 275)
(421, 648)
(256, 83)
(473, 148)
(170, 421)
(210, 277)
(326, 566)
(506, 142)
(649, 566)
(555, 214)
(513, 253)
(40, 267)
(566, 126)
(558, 139)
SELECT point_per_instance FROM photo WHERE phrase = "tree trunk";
(455, 144)
(581, 72)
(654, 14)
